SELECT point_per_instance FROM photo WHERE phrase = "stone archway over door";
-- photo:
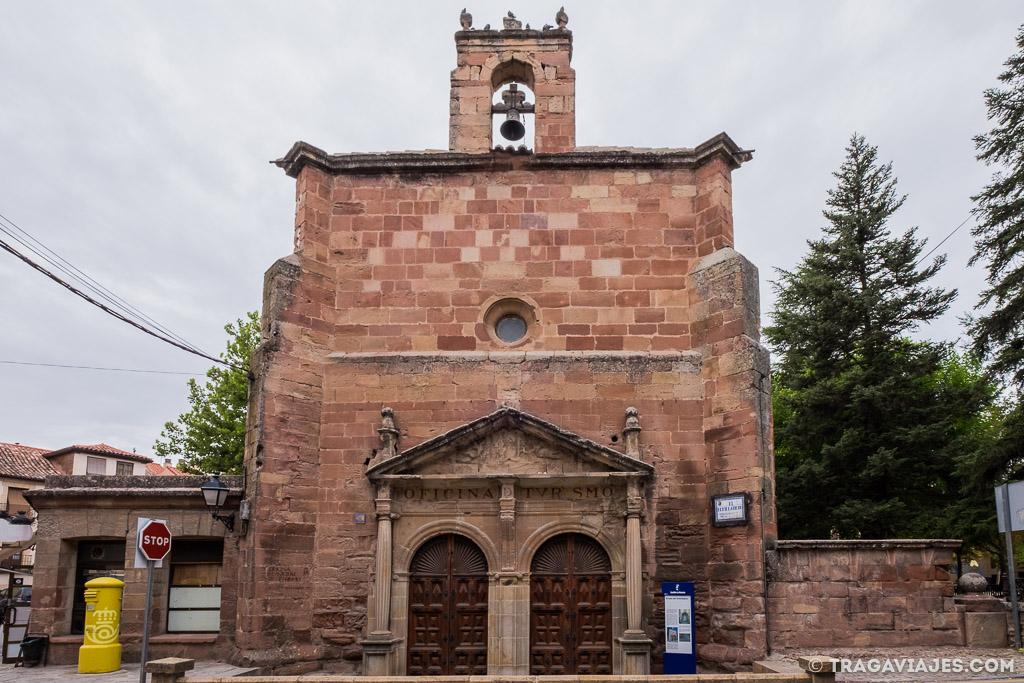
(570, 608)
(448, 609)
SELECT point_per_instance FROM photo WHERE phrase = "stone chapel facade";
(497, 391)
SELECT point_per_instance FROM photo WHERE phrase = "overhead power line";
(72, 272)
(943, 240)
(117, 314)
(91, 367)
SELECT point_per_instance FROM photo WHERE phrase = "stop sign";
(155, 540)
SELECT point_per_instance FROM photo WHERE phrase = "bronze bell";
(513, 128)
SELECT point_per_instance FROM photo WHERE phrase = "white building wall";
(81, 465)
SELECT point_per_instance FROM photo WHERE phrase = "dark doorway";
(448, 609)
(571, 608)
(95, 559)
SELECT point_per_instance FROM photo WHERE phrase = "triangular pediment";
(510, 442)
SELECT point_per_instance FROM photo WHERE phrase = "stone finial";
(511, 23)
(631, 433)
(388, 434)
(561, 18)
(972, 582)
(466, 19)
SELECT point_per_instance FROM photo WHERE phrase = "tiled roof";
(101, 449)
(24, 462)
(159, 470)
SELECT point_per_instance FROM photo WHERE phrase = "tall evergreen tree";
(863, 428)
(210, 437)
(999, 332)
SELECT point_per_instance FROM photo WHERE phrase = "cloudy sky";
(134, 141)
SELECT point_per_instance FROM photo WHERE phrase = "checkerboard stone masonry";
(625, 257)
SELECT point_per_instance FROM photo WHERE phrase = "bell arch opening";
(513, 119)
(512, 71)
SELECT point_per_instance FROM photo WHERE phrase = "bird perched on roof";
(466, 19)
(510, 15)
(561, 18)
(546, 27)
(487, 27)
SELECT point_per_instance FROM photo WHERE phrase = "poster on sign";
(680, 656)
(679, 624)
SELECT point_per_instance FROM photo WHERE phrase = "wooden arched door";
(570, 608)
(448, 609)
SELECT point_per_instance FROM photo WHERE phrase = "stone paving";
(128, 674)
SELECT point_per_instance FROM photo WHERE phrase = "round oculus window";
(510, 328)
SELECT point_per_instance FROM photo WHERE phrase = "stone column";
(636, 646)
(508, 612)
(507, 517)
(379, 646)
(382, 615)
(634, 580)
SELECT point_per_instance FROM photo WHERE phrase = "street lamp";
(215, 493)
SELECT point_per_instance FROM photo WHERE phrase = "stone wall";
(863, 594)
(81, 508)
(639, 301)
(620, 261)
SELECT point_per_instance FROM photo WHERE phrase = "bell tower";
(489, 60)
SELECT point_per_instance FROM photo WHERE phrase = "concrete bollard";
(169, 669)
(821, 669)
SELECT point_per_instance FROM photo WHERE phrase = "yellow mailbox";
(101, 652)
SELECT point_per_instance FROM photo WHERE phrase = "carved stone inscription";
(432, 493)
(437, 493)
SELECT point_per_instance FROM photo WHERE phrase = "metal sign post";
(152, 545)
(145, 622)
(1011, 564)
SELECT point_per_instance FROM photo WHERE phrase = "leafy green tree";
(998, 332)
(864, 426)
(961, 491)
(998, 329)
(971, 513)
(210, 437)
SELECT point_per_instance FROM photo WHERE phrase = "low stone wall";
(887, 593)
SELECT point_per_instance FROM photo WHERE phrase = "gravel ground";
(919, 663)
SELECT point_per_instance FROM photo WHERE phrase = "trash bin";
(32, 649)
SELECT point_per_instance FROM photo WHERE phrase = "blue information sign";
(680, 650)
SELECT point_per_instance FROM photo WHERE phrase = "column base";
(379, 654)
(636, 653)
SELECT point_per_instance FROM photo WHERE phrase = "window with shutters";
(193, 601)
(125, 469)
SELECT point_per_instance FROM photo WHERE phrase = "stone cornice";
(870, 544)
(105, 491)
(514, 356)
(417, 163)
